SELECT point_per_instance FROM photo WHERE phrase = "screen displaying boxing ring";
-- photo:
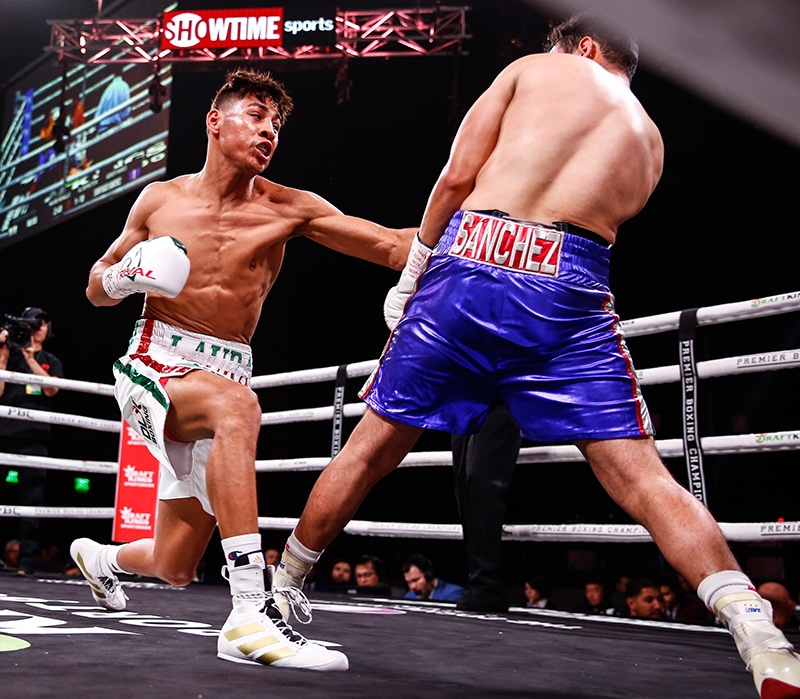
(75, 136)
(690, 456)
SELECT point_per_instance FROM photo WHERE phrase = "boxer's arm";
(128, 267)
(352, 235)
(474, 142)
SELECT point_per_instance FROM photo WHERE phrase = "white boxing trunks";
(158, 351)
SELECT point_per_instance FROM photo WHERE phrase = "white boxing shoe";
(255, 633)
(103, 582)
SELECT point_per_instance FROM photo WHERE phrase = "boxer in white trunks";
(205, 249)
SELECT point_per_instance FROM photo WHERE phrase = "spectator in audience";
(784, 608)
(370, 575)
(619, 592)
(340, 577)
(596, 598)
(644, 600)
(680, 606)
(272, 557)
(423, 584)
(537, 591)
(22, 350)
(11, 555)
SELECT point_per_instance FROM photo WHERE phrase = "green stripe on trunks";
(146, 383)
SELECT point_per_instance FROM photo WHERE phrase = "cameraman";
(21, 350)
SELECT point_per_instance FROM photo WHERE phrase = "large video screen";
(75, 136)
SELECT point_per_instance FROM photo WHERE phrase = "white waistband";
(175, 348)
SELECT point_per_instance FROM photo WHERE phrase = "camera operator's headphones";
(34, 313)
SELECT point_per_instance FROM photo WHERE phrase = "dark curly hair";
(244, 81)
(617, 49)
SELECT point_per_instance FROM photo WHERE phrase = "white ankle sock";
(722, 583)
(111, 552)
(297, 558)
(244, 544)
(296, 561)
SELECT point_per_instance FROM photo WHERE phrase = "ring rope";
(765, 442)
(742, 364)
(731, 444)
(67, 384)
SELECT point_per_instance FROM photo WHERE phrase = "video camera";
(20, 330)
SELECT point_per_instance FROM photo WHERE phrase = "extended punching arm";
(159, 265)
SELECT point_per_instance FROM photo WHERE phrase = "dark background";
(720, 228)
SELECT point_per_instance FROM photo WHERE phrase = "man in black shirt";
(25, 355)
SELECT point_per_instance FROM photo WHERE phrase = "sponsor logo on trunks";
(514, 245)
(144, 422)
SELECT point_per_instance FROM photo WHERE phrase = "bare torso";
(593, 161)
(236, 249)
(235, 225)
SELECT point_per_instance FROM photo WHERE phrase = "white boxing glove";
(399, 294)
(159, 265)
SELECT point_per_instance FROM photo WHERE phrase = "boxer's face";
(246, 130)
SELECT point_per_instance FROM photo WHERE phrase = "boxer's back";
(593, 161)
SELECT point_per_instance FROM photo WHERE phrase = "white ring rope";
(617, 533)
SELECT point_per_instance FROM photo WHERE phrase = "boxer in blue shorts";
(502, 334)
(492, 305)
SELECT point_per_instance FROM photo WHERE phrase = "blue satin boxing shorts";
(516, 311)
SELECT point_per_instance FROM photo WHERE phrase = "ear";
(587, 47)
(212, 120)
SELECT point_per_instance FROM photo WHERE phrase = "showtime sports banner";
(245, 28)
(137, 489)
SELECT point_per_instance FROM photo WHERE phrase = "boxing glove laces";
(159, 265)
(398, 295)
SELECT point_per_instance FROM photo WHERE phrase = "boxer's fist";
(399, 294)
(159, 265)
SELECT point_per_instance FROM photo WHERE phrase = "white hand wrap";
(399, 294)
(160, 265)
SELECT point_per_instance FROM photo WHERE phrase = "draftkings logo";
(138, 478)
(134, 520)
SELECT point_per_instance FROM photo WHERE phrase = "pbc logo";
(144, 421)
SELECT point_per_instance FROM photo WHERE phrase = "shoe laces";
(109, 581)
(298, 602)
(271, 611)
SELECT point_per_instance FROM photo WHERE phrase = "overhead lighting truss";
(359, 34)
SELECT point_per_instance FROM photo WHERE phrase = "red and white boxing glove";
(159, 265)
(399, 294)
